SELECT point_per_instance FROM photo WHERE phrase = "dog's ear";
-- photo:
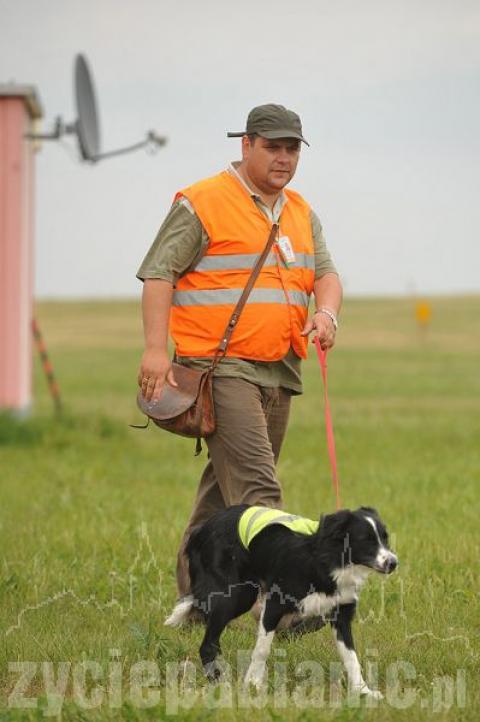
(336, 525)
(370, 510)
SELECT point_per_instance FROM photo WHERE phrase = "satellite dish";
(86, 127)
(88, 131)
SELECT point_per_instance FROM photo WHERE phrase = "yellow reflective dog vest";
(256, 518)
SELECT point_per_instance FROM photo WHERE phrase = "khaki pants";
(251, 423)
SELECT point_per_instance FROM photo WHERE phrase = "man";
(193, 275)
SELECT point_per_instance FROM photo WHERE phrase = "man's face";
(270, 164)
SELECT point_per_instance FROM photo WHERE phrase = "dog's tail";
(180, 612)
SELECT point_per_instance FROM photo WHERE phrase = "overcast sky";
(388, 92)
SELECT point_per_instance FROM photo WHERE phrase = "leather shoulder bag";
(188, 409)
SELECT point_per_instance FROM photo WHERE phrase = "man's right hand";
(155, 371)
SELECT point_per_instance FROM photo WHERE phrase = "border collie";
(314, 574)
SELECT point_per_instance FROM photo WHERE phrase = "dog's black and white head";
(363, 538)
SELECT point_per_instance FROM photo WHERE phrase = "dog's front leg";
(272, 612)
(342, 630)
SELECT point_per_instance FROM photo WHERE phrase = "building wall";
(16, 254)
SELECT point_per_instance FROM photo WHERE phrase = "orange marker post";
(423, 315)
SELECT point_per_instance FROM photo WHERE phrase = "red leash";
(322, 357)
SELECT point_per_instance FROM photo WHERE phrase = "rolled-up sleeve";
(179, 242)
(323, 260)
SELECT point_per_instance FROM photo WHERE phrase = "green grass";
(92, 512)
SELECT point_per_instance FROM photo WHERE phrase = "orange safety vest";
(204, 298)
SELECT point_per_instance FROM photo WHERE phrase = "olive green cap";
(272, 121)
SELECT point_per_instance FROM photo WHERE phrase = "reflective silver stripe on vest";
(240, 261)
(252, 519)
(281, 519)
(304, 260)
(277, 520)
(299, 298)
(233, 261)
(231, 295)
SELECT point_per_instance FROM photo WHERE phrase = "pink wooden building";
(19, 110)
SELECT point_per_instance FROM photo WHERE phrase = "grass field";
(92, 512)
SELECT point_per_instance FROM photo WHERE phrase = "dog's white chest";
(349, 582)
(316, 604)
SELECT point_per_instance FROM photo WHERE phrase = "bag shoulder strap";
(223, 345)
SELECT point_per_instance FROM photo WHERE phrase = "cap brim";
(276, 134)
(272, 135)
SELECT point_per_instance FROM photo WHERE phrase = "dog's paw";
(365, 691)
(213, 671)
(255, 676)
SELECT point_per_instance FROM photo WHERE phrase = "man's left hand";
(323, 327)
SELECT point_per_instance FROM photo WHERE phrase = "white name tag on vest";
(286, 251)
